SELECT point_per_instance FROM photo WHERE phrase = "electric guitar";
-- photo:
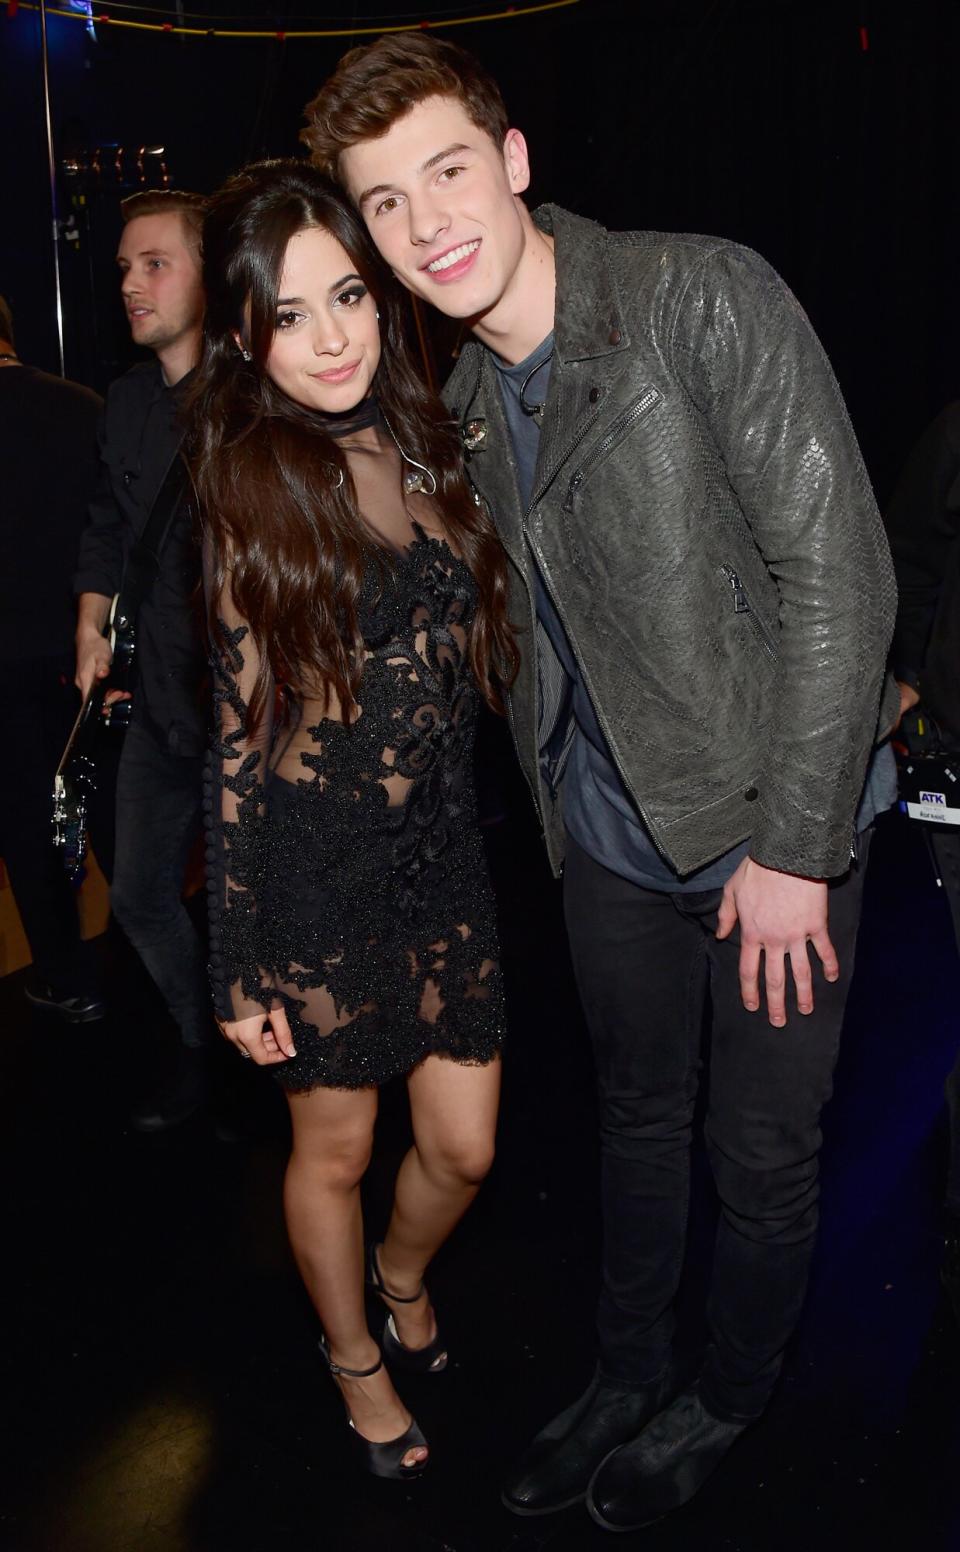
(76, 778)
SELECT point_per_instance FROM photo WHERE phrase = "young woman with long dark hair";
(356, 599)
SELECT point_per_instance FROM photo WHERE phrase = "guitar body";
(76, 781)
(76, 778)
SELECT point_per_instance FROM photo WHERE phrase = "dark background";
(767, 121)
(160, 1379)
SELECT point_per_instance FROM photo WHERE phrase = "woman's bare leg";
(454, 1112)
(332, 1135)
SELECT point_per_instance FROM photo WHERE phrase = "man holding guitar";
(159, 778)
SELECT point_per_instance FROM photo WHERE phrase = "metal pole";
(55, 225)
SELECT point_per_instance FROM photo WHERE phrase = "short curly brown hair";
(378, 83)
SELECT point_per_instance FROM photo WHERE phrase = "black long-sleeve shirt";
(139, 436)
(48, 470)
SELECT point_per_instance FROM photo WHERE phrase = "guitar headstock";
(69, 822)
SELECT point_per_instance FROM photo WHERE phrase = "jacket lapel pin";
(473, 434)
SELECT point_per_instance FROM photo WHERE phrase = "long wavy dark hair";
(280, 522)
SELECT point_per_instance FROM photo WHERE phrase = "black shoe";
(662, 1468)
(381, 1460)
(75, 1007)
(556, 1469)
(431, 1359)
(182, 1096)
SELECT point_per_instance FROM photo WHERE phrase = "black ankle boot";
(663, 1467)
(555, 1470)
(182, 1096)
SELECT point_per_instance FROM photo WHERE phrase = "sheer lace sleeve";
(236, 819)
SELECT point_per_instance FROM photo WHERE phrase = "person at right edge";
(923, 526)
(705, 598)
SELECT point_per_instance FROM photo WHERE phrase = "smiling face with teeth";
(442, 203)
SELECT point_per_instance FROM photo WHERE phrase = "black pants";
(158, 818)
(644, 962)
(946, 849)
(38, 704)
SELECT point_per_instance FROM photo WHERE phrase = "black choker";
(366, 413)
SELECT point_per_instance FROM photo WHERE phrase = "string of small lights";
(283, 35)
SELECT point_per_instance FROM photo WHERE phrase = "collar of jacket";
(588, 317)
(588, 329)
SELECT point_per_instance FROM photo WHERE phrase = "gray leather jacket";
(708, 533)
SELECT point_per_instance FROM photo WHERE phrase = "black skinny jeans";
(644, 962)
(158, 819)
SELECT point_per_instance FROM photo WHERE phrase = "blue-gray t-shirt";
(597, 809)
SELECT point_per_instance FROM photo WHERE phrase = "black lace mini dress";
(346, 876)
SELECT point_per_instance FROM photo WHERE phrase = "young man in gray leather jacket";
(696, 555)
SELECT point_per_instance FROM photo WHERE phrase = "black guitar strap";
(143, 562)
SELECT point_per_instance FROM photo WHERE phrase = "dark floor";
(161, 1384)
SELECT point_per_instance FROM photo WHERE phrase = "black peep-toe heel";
(386, 1459)
(431, 1359)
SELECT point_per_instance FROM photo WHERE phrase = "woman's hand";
(265, 1036)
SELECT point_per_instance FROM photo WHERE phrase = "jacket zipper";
(536, 785)
(621, 425)
(587, 425)
(741, 605)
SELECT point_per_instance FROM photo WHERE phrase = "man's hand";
(93, 649)
(779, 914)
(93, 661)
(266, 1036)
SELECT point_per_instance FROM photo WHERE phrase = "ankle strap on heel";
(376, 1282)
(349, 1374)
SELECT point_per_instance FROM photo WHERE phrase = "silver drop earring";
(415, 478)
(245, 353)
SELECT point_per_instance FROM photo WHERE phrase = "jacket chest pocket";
(612, 437)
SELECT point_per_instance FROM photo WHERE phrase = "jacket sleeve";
(236, 819)
(100, 561)
(923, 524)
(754, 367)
